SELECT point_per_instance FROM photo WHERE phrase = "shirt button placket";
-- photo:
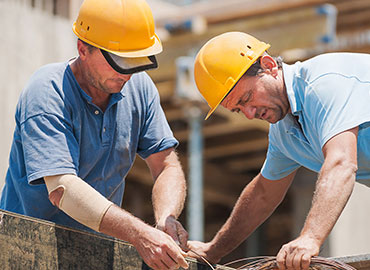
(105, 130)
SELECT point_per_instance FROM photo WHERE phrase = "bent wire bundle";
(269, 263)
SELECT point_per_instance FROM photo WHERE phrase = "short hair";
(256, 69)
(89, 46)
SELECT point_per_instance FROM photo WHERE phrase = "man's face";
(262, 97)
(100, 75)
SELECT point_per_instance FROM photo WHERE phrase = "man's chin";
(115, 89)
(274, 120)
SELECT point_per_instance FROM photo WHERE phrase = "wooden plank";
(220, 11)
(224, 129)
(224, 150)
(360, 262)
(29, 243)
(246, 163)
(350, 6)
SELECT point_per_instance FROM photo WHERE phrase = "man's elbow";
(347, 166)
(55, 189)
(56, 195)
(343, 170)
(350, 169)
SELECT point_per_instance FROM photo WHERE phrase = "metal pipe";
(331, 12)
(195, 200)
(189, 97)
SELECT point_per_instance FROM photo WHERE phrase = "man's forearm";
(333, 189)
(256, 203)
(157, 249)
(243, 220)
(121, 224)
(334, 185)
(169, 192)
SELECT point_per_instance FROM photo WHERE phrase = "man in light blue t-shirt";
(79, 126)
(320, 119)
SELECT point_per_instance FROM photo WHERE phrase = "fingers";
(155, 260)
(172, 262)
(182, 236)
(298, 261)
(202, 252)
(173, 227)
(305, 261)
(178, 259)
(166, 258)
(290, 262)
(295, 259)
(165, 254)
(280, 259)
(174, 257)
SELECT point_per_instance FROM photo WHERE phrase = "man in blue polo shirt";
(79, 125)
(320, 119)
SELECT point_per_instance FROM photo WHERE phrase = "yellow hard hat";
(122, 27)
(222, 61)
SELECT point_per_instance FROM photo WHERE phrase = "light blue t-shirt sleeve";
(277, 165)
(155, 134)
(332, 113)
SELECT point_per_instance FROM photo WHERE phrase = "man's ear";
(82, 49)
(269, 64)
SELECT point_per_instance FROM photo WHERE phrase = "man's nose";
(249, 112)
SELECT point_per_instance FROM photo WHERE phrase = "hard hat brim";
(156, 48)
(210, 112)
(126, 65)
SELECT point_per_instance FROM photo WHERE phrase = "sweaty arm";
(168, 193)
(333, 189)
(255, 204)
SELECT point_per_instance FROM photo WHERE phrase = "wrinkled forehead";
(233, 94)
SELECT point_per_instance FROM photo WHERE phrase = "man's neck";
(99, 98)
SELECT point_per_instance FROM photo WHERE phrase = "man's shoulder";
(140, 79)
(52, 69)
(50, 75)
(46, 90)
(331, 64)
(333, 57)
(140, 86)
